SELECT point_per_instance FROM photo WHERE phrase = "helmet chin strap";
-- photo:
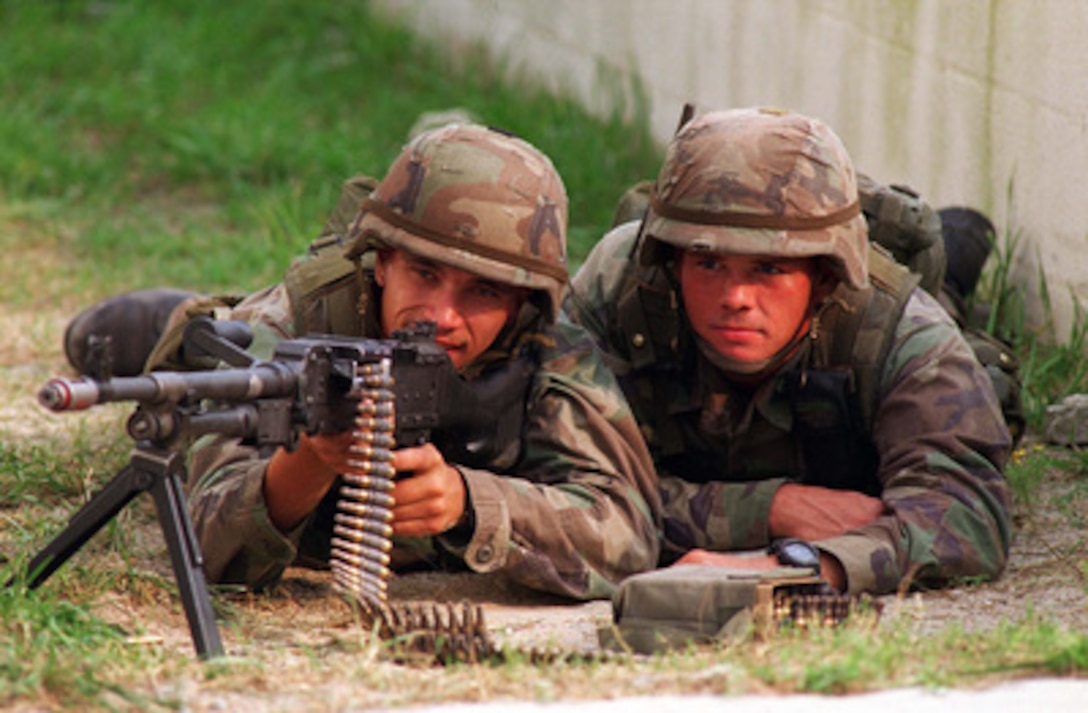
(755, 371)
(529, 326)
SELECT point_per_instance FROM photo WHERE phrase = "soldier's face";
(748, 308)
(470, 311)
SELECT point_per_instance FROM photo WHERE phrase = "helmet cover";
(759, 182)
(475, 199)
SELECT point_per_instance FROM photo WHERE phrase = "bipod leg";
(157, 471)
(177, 529)
(82, 526)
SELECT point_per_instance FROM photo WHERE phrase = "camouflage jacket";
(572, 509)
(937, 436)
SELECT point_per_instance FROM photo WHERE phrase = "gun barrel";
(267, 379)
(68, 394)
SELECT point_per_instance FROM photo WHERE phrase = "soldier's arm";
(242, 538)
(813, 512)
(296, 481)
(830, 568)
(943, 445)
(579, 511)
(238, 538)
(717, 515)
(725, 516)
(806, 512)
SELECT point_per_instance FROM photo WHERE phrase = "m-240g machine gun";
(398, 391)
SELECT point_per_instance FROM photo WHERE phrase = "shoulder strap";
(857, 331)
(648, 321)
(324, 290)
(834, 396)
(324, 287)
(647, 316)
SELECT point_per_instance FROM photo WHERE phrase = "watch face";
(797, 554)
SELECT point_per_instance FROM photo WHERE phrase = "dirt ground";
(1047, 574)
(1046, 577)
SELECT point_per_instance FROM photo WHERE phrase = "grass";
(201, 145)
(54, 652)
(853, 660)
(1052, 365)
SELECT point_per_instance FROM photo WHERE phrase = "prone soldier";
(467, 230)
(799, 393)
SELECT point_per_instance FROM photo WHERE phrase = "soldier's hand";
(333, 451)
(725, 559)
(830, 568)
(296, 481)
(430, 494)
(811, 512)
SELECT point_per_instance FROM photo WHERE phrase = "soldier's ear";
(380, 261)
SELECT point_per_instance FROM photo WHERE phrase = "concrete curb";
(1050, 695)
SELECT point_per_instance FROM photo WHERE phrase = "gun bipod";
(159, 471)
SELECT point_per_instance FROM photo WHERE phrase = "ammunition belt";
(361, 528)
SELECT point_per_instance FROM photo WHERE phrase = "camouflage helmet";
(759, 182)
(478, 200)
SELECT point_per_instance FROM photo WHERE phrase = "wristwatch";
(795, 553)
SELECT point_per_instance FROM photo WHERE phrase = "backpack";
(900, 221)
(325, 288)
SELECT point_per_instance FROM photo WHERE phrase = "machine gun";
(398, 391)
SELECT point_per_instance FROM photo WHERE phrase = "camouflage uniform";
(932, 444)
(572, 508)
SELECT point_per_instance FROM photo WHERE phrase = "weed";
(1051, 366)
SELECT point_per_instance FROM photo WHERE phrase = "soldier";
(468, 230)
(800, 395)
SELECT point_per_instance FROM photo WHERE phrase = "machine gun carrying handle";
(224, 340)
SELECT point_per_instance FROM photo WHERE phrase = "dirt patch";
(1047, 572)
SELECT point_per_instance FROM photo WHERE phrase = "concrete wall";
(972, 102)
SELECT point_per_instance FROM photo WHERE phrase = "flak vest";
(328, 292)
(834, 394)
